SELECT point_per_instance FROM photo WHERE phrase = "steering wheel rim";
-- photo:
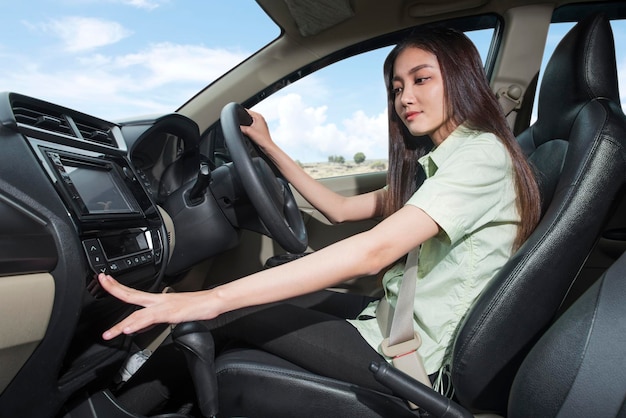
(270, 195)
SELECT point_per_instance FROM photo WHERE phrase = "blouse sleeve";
(469, 188)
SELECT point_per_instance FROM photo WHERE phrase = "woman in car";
(478, 203)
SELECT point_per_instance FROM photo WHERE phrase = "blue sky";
(118, 58)
(121, 58)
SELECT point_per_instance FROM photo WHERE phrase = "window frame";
(489, 21)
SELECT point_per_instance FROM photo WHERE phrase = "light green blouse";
(469, 191)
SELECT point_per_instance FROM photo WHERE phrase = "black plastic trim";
(26, 245)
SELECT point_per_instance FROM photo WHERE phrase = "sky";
(119, 58)
(115, 59)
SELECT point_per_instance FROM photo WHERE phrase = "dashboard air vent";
(36, 116)
(95, 133)
(44, 118)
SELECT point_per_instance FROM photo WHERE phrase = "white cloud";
(158, 79)
(303, 131)
(83, 33)
(142, 4)
(167, 62)
(137, 4)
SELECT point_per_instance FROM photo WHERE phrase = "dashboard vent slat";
(48, 117)
(39, 117)
(91, 132)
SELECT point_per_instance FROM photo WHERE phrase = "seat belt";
(402, 341)
(510, 98)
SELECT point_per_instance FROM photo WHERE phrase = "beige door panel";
(345, 186)
(322, 233)
(26, 305)
(255, 249)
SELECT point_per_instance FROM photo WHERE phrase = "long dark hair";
(469, 100)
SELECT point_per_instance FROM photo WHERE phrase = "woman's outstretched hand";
(158, 308)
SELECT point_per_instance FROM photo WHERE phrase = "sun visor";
(315, 17)
(426, 8)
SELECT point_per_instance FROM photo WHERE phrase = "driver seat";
(578, 147)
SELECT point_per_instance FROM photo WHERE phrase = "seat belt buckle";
(407, 359)
(403, 348)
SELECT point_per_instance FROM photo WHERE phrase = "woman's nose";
(407, 97)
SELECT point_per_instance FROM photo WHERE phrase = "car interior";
(183, 201)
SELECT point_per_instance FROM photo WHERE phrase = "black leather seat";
(577, 144)
(590, 339)
(574, 370)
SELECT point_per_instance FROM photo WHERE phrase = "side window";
(558, 30)
(334, 121)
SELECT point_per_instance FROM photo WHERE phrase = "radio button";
(100, 268)
(96, 259)
(92, 246)
(115, 267)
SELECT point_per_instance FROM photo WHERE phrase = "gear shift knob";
(196, 342)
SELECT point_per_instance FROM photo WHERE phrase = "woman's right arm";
(335, 207)
(359, 255)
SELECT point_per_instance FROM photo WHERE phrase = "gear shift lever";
(202, 182)
(196, 342)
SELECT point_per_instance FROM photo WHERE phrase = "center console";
(101, 191)
(118, 224)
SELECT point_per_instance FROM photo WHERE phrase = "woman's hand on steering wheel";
(258, 131)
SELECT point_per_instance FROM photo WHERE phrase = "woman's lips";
(411, 115)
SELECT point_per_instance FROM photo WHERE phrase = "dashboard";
(80, 195)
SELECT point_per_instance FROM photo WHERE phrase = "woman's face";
(419, 94)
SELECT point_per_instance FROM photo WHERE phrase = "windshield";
(121, 58)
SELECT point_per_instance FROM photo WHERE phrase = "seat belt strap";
(402, 340)
(402, 323)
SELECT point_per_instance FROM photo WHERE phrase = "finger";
(121, 327)
(257, 119)
(135, 322)
(125, 293)
(114, 287)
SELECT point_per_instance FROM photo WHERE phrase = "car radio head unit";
(94, 187)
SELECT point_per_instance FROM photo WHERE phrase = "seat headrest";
(573, 75)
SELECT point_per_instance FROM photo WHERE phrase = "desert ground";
(327, 169)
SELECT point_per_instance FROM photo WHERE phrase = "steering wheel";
(270, 194)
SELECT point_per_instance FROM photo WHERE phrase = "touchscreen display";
(97, 188)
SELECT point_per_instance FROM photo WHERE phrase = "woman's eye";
(396, 91)
(421, 80)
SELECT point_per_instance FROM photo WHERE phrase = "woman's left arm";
(360, 255)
